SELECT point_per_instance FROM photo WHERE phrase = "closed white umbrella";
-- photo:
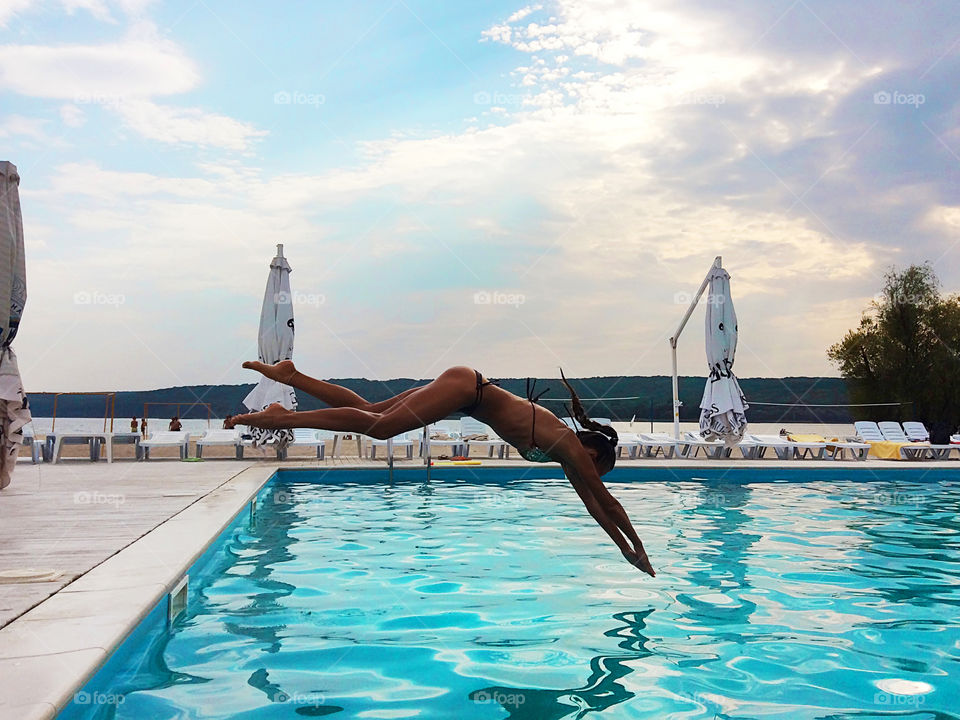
(275, 344)
(14, 410)
(722, 410)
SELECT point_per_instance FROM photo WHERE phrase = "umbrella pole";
(717, 262)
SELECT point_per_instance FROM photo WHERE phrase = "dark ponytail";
(601, 438)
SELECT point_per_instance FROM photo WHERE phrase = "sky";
(511, 187)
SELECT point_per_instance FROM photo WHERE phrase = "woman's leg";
(448, 393)
(335, 396)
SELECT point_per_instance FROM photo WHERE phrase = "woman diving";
(536, 432)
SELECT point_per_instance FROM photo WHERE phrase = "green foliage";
(905, 350)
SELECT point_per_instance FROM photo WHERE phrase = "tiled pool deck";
(121, 535)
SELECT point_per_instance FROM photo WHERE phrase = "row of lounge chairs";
(911, 441)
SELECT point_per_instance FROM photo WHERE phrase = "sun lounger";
(221, 438)
(30, 440)
(309, 437)
(653, 444)
(870, 432)
(629, 442)
(403, 440)
(167, 439)
(443, 438)
(807, 446)
(93, 439)
(783, 448)
(472, 434)
(694, 442)
(915, 431)
(892, 432)
(834, 447)
(128, 438)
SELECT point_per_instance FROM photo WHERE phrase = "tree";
(906, 350)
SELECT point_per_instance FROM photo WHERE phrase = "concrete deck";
(116, 537)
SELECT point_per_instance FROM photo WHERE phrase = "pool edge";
(78, 638)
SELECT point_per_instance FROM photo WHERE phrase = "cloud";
(193, 126)
(31, 128)
(72, 116)
(140, 66)
(11, 8)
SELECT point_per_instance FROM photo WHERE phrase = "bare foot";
(638, 558)
(282, 371)
(270, 418)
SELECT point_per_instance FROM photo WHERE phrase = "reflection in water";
(600, 691)
(719, 511)
(911, 532)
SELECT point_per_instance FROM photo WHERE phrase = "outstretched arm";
(608, 512)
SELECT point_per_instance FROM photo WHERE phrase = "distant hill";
(650, 398)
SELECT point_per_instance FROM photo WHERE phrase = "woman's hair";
(601, 438)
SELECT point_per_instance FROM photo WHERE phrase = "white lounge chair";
(857, 450)
(30, 440)
(405, 440)
(470, 427)
(894, 433)
(781, 446)
(653, 444)
(129, 438)
(309, 437)
(441, 437)
(917, 432)
(694, 442)
(630, 442)
(871, 432)
(167, 439)
(338, 441)
(93, 439)
(221, 438)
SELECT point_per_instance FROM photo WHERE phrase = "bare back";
(512, 419)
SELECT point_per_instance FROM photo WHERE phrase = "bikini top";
(533, 453)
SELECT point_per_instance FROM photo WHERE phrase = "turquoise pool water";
(458, 600)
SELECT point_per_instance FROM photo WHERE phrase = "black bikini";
(481, 384)
(533, 453)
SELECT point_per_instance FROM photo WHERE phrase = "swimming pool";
(461, 599)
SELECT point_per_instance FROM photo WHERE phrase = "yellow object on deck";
(454, 463)
(806, 438)
(890, 450)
